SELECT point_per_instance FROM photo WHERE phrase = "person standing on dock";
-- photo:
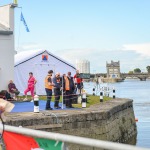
(31, 84)
(78, 81)
(48, 88)
(69, 90)
(57, 89)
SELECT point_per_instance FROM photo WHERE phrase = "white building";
(83, 66)
(6, 45)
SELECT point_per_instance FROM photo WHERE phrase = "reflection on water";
(139, 91)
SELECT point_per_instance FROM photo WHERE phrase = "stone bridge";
(141, 76)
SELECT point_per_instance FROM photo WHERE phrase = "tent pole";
(62, 94)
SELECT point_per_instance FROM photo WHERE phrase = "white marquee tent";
(39, 62)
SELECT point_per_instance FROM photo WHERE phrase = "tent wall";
(39, 69)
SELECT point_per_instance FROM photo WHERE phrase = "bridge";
(141, 76)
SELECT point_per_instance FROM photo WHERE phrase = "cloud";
(130, 56)
(93, 55)
(29, 46)
(142, 49)
(79, 54)
(74, 54)
(129, 59)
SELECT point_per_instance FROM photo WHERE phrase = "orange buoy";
(136, 119)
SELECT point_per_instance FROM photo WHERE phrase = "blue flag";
(24, 22)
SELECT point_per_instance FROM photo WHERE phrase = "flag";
(24, 22)
(14, 141)
(16, 2)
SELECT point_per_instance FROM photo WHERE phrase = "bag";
(16, 92)
(8, 96)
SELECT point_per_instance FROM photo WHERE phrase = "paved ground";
(29, 106)
(23, 111)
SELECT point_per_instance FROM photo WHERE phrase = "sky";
(96, 30)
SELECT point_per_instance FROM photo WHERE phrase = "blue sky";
(97, 30)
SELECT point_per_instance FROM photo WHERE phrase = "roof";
(4, 30)
(24, 56)
(113, 64)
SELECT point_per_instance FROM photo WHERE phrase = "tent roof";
(24, 56)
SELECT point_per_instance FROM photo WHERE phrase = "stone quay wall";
(112, 120)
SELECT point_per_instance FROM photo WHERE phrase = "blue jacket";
(57, 82)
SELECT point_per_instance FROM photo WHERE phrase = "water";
(139, 91)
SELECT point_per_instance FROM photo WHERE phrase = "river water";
(139, 91)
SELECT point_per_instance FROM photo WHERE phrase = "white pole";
(84, 99)
(62, 95)
(114, 92)
(101, 94)
(70, 138)
(36, 103)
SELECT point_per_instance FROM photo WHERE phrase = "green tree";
(148, 69)
(137, 70)
(130, 72)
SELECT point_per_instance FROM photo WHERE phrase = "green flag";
(14, 141)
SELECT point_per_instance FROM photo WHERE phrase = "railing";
(70, 139)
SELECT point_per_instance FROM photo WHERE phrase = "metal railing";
(70, 139)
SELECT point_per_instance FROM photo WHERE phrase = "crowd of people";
(66, 84)
(59, 84)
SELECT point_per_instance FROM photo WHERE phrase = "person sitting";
(4, 94)
(13, 90)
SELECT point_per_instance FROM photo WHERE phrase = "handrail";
(71, 139)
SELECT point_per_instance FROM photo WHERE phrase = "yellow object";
(83, 91)
(0, 147)
(15, 1)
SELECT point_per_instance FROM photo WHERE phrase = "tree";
(137, 70)
(130, 72)
(148, 69)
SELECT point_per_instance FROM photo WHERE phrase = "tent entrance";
(40, 71)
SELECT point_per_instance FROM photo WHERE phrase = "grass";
(91, 100)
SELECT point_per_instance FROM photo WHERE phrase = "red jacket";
(77, 80)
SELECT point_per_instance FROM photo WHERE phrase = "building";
(6, 45)
(113, 69)
(83, 66)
